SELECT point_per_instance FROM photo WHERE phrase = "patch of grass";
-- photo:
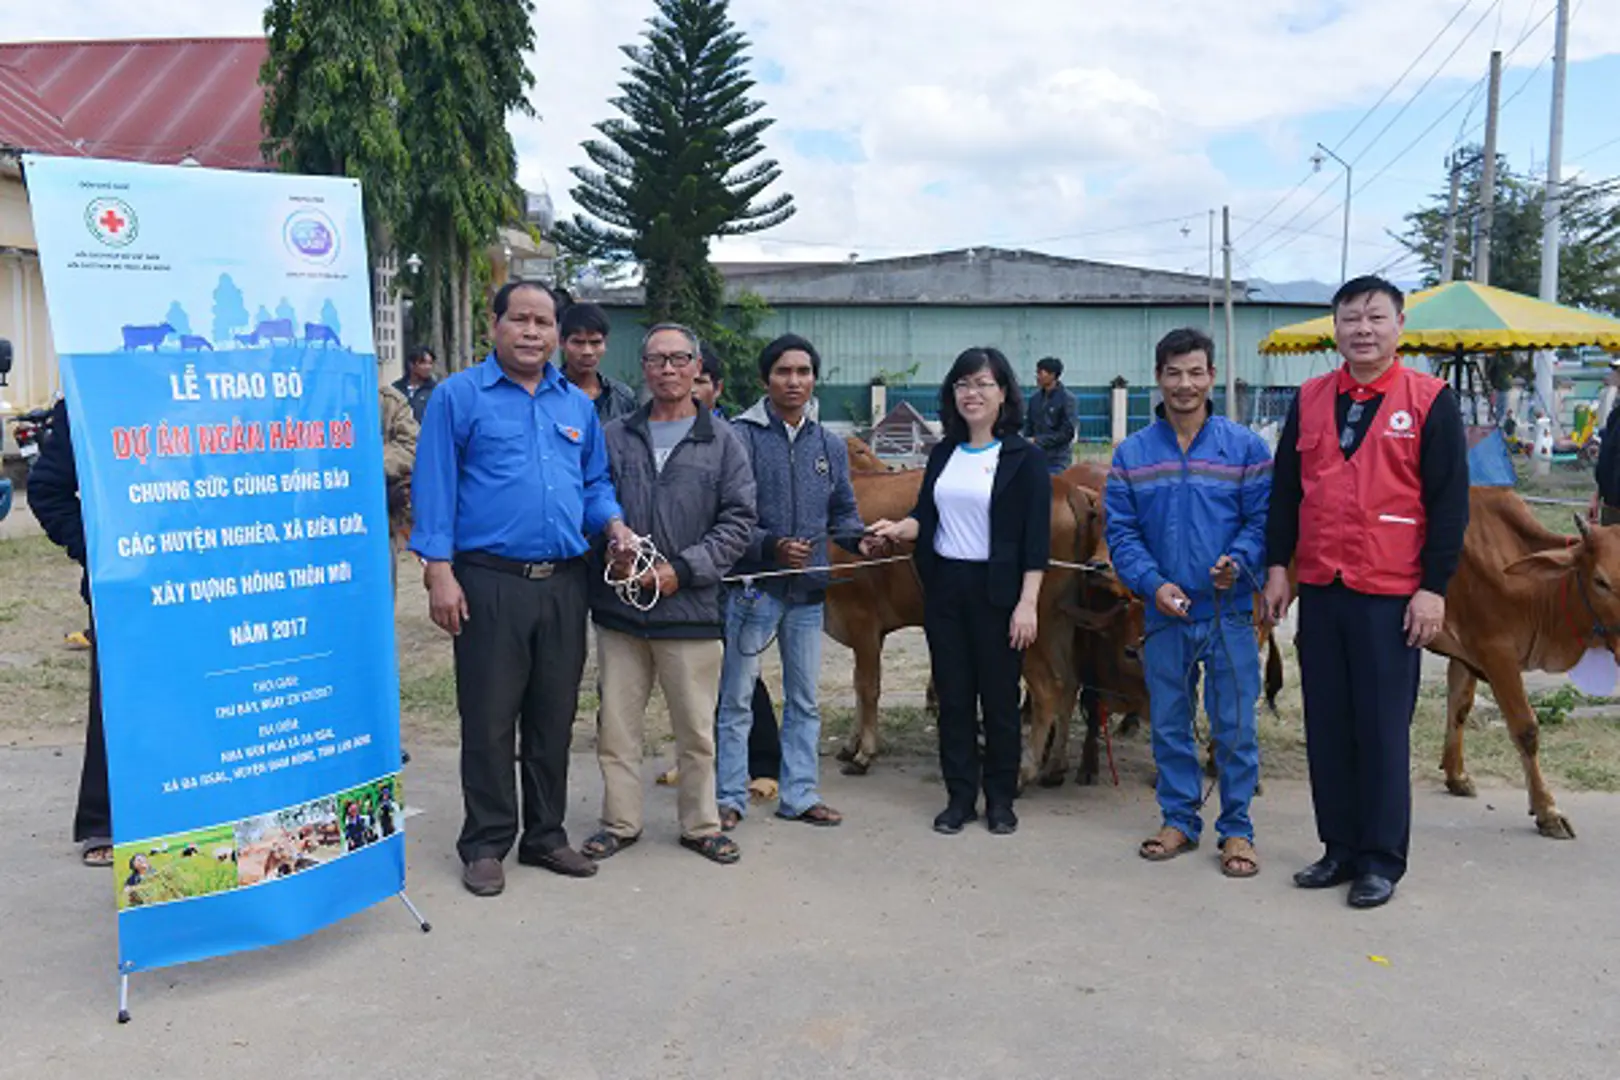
(903, 730)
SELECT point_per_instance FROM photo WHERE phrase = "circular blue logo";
(311, 236)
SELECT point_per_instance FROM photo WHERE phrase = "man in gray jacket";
(805, 499)
(682, 479)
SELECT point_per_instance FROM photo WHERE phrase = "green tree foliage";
(1589, 250)
(678, 169)
(230, 311)
(736, 338)
(464, 72)
(177, 318)
(333, 88)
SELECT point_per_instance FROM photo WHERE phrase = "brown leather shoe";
(564, 860)
(484, 877)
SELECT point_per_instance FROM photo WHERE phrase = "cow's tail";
(1274, 671)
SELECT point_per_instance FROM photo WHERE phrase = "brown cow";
(1523, 599)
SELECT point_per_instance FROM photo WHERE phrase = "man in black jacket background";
(1049, 424)
(53, 495)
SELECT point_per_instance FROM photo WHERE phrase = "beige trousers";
(689, 674)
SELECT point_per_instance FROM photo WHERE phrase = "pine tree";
(679, 169)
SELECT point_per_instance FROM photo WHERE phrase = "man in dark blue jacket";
(801, 475)
(1186, 506)
(53, 495)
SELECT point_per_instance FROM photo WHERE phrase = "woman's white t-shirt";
(962, 497)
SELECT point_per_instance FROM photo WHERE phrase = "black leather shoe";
(1371, 891)
(1001, 820)
(952, 818)
(1323, 874)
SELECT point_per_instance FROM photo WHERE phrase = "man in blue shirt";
(511, 478)
(1186, 506)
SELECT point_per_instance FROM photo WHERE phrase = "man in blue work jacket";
(511, 478)
(1186, 505)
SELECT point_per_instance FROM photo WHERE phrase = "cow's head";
(1587, 572)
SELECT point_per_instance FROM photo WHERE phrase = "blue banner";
(214, 330)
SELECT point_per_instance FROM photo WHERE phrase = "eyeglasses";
(975, 386)
(1347, 437)
(667, 360)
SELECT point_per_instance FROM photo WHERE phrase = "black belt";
(534, 571)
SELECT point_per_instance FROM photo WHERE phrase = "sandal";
(605, 845)
(1166, 845)
(96, 851)
(819, 814)
(1238, 858)
(729, 819)
(714, 847)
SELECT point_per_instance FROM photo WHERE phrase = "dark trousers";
(92, 820)
(764, 737)
(1360, 683)
(519, 658)
(975, 670)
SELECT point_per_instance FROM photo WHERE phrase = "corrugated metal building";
(881, 317)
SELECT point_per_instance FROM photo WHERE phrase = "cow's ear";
(1553, 563)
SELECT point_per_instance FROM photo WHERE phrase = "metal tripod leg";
(427, 927)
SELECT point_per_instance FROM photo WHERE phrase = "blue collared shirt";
(502, 471)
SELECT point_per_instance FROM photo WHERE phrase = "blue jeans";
(1226, 649)
(752, 617)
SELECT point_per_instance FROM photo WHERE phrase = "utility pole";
(1553, 208)
(1344, 247)
(1231, 331)
(1448, 254)
(1212, 272)
(1487, 179)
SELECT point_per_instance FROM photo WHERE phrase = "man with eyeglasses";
(511, 478)
(1370, 502)
(682, 477)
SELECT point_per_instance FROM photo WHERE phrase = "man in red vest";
(1369, 499)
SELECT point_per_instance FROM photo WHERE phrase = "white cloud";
(1023, 120)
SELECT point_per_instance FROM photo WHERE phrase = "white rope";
(647, 557)
(629, 588)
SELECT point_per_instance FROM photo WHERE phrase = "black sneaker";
(951, 819)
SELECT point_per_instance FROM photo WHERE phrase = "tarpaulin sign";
(214, 330)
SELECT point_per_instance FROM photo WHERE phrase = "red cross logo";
(111, 221)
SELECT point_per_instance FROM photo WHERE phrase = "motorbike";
(30, 430)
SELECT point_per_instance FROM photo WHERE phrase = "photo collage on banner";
(214, 330)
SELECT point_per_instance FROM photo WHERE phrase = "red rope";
(1108, 739)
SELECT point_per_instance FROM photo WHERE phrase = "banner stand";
(123, 976)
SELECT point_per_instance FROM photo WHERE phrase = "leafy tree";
(329, 317)
(284, 310)
(679, 168)
(464, 70)
(230, 312)
(177, 318)
(333, 89)
(738, 341)
(261, 316)
(1589, 248)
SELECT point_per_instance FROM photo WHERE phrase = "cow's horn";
(1585, 529)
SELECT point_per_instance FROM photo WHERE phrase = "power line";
(1364, 118)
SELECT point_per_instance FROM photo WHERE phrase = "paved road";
(875, 950)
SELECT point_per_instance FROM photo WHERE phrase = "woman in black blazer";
(982, 526)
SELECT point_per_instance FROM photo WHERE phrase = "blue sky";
(1081, 128)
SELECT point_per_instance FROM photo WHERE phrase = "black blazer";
(1020, 517)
